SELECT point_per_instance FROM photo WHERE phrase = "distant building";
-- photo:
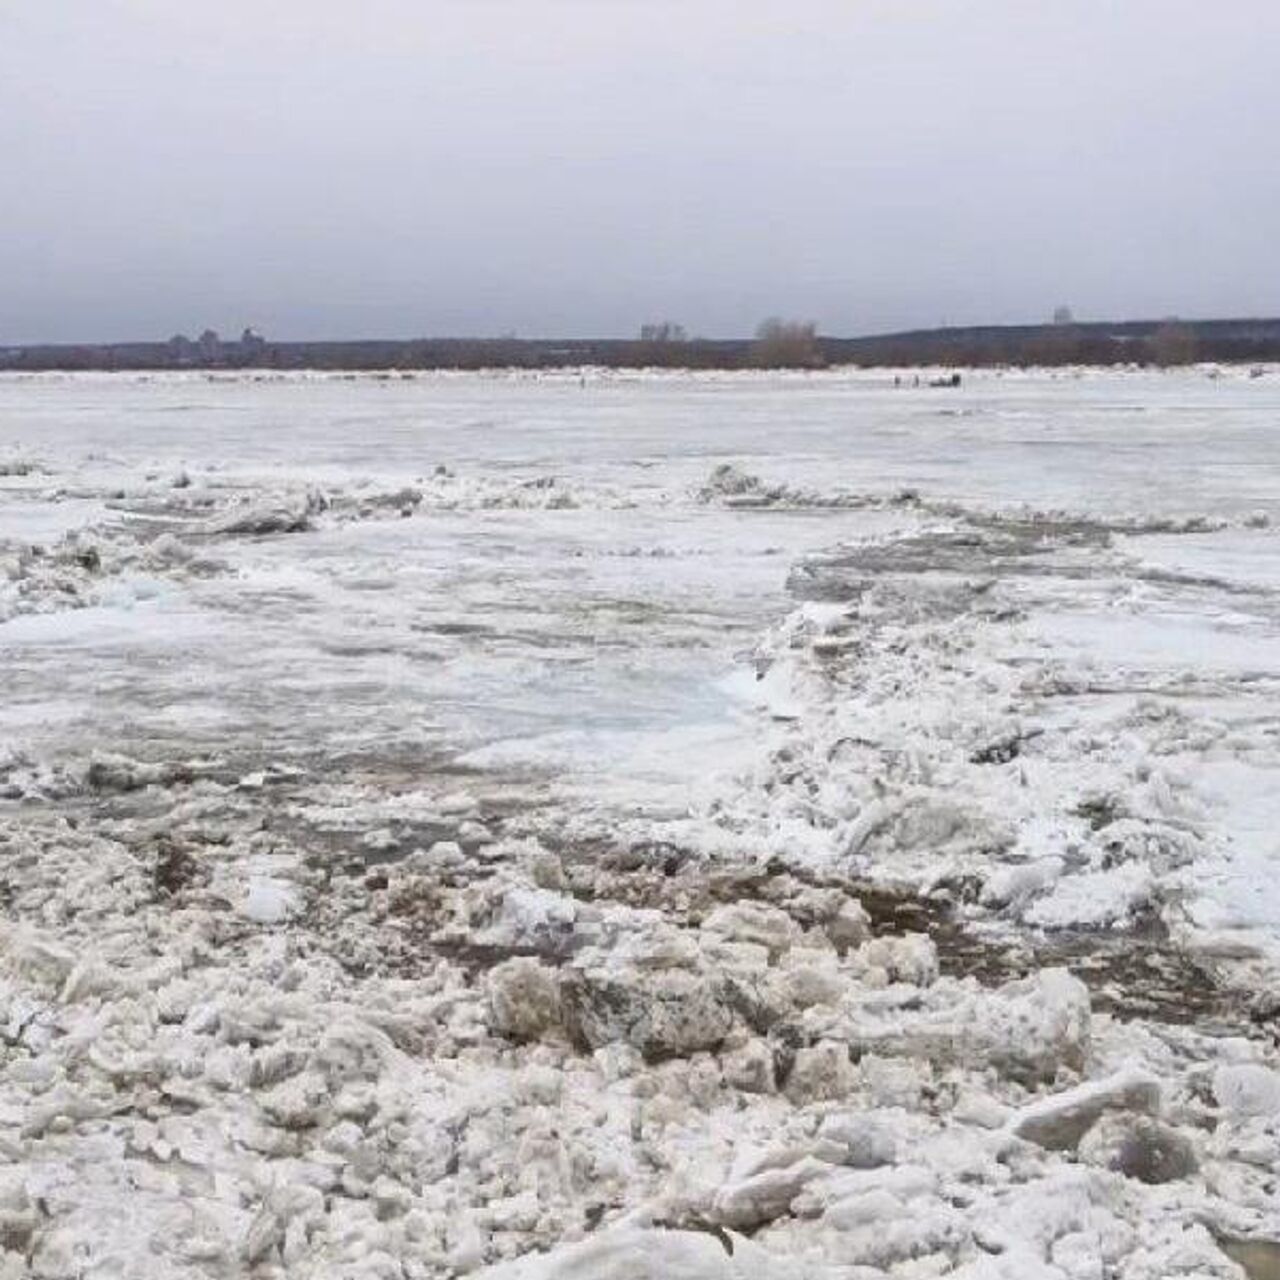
(1062, 315)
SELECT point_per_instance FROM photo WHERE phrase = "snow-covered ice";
(543, 827)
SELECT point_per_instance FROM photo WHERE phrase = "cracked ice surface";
(639, 826)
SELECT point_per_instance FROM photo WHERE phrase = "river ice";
(640, 826)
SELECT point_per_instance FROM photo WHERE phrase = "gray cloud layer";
(401, 167)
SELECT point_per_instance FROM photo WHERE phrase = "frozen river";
(1009, 650)
(531, 572)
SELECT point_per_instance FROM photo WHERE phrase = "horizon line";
(693, 338)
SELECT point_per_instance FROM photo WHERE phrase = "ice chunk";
(1247, 1089)
(268, 900)
(640, 1253)
(1139, 1147)
(1060, 1120)
(524, 999)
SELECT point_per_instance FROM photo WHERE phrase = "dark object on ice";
(89, 559)
(174, 869)
(1100, 810)
(1003, 749)
(950, 380)
(1264, 1012)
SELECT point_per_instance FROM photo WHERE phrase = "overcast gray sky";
(570, 167)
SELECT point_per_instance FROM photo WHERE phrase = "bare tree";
(664, 332)
(786, 344)
(1172, 343)
(210, 346)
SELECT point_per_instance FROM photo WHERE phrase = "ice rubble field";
(622, 827)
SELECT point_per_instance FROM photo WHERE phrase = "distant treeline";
(777, 344)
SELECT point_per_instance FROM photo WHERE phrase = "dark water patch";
(1142, 976)
(1259, 1259)
(477, 958)
(1131, 974)
(342, 850)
